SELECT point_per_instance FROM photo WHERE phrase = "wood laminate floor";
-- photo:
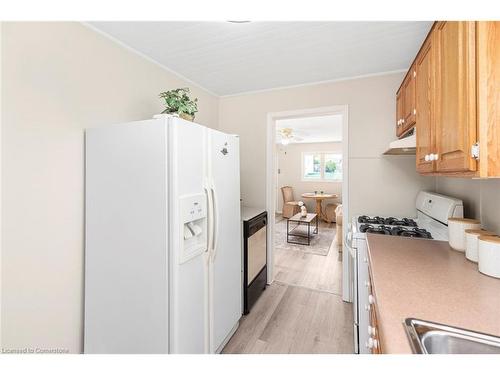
(301, 311)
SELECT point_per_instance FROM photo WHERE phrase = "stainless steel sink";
(434, 338)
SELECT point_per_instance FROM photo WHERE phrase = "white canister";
(489, 255)
(456, 231)
(471, 242)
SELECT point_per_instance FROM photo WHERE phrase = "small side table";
(319, 198)
(301, 220)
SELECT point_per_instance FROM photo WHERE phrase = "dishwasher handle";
(257, 224)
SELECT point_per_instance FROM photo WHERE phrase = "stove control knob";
(367, 307)
(371, 299)
(367, 284)
(365, 259)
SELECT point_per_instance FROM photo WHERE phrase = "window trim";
(322, 166)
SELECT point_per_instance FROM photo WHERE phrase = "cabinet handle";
(371, 331)
(433, 157)
(402, 120)
(427, 157)
(414, 111)
(372, 343)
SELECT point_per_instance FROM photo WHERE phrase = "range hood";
(403, 146)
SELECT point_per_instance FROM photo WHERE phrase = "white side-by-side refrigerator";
(162, 239)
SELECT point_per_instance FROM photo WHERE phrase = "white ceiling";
(312, 129)
(228, 58)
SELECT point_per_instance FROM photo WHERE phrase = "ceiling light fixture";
(285, 141)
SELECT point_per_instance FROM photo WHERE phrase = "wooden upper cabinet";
(455, 111)
(488, 101)
(399, 113)
(409, 99)
(424, 101)
(454, 100)
(405, 104)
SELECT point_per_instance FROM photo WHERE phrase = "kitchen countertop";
(426, 279)
(248, 213)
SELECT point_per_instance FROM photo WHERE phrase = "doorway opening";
(307, 169)
(303, 308)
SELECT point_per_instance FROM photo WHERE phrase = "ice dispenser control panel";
(194, 225)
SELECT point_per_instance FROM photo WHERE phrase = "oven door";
(353, 260)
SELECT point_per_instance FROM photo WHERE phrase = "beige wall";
(58, 79)
(290, 165)
(385, 185)
(481, 198)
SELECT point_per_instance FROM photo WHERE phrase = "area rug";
(320, 243)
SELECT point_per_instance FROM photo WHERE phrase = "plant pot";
(187, 117)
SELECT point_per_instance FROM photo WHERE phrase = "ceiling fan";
(288, 135)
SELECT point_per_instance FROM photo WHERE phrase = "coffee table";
(299, 220)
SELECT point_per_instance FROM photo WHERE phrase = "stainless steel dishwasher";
(254, 259)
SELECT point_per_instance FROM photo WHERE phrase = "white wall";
(290, 165)
(385, 185)
(481, 198)
(1, 225)
(57, 80)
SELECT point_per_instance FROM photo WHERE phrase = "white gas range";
(431, 222)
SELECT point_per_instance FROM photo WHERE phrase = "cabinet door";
(424, 85)
(399, 112)
(456, 96)
(409, 100)
(488, 101)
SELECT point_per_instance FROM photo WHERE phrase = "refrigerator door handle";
(215, 224)
(210, 224)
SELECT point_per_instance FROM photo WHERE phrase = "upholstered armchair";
(290, 206)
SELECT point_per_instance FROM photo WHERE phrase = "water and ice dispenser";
(194, 222)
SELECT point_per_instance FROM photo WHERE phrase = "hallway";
(302, 310)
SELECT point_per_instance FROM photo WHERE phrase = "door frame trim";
(271, 179)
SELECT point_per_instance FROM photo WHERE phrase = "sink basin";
(434, 338)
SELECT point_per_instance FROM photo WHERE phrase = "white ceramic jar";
(489, 255)
(471, 242)
(456, 231)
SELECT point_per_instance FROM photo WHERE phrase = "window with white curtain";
(322, 166)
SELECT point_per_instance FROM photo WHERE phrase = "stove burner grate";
(371, 220)
(405, 222)
(411, 232)
(402, 222)
(381, 229)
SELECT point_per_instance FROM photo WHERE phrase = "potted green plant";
(178, 102)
